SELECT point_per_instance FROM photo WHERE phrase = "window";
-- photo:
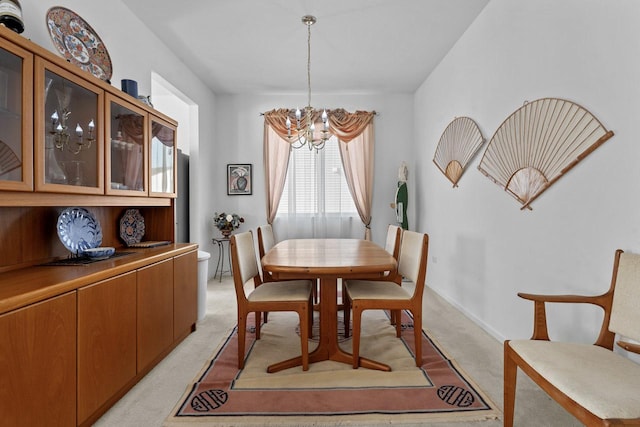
(316, 185)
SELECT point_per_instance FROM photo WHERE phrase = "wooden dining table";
(328, 260)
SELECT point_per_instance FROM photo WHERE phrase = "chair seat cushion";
(367, 289)
(603, 382)
(293, 290)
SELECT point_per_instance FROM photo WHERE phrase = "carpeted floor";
(330, 391)
(152, 400)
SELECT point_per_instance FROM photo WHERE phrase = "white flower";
(229, 217)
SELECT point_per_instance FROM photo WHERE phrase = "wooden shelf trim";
(12, 198)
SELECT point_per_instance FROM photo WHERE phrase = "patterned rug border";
(404, 416)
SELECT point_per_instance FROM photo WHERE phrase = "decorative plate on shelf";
(78, 43)
(79, 230)
(99, 253)
(131, 227)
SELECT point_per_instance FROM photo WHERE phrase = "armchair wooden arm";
(604, 301)
(634, 348)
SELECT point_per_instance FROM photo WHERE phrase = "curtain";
(356, 136)
(275, 158)
(132, 126)
(358, 159)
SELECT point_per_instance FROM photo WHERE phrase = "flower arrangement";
(226, 223)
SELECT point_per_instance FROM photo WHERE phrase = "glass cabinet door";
(127, 131)
(162, 171)
(16, 118)
(69, 152)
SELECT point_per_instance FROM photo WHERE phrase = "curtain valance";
(343, 124)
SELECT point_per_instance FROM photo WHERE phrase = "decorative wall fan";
(457, 145)
(538, 144)
(8, 159)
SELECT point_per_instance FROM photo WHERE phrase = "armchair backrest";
(625, 309)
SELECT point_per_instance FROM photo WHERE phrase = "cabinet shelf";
(13, 199)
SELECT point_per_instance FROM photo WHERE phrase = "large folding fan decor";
(538, 144)
(457, 146)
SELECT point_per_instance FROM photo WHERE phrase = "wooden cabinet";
(38, 364)
(185, 294)
(68, 132)
(75, 339)
(60, 133)
(155, 312)
(106, 341)
(66, 358)
(16, 118)
(60, 146)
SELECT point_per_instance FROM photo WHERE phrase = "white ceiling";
(357, 46)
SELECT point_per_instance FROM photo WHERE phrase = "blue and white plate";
(101, 252)
(79, 230)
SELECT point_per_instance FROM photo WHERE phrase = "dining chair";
(392, 246)
(292, 295)
(387, 295)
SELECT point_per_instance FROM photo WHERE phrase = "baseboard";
(488, 329)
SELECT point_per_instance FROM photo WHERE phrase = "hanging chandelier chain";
(305, 127)
(309, 23)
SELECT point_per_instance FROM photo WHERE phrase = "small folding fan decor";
(8, 159)
(457, 146)
(537, 144)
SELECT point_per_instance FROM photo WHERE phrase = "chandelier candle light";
(305, 127)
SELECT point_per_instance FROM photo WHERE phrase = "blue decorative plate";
(78, 230)
(131, 227)
(101, 252)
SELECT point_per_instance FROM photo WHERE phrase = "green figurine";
(401, 201)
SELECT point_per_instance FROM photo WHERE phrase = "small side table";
(223, 247)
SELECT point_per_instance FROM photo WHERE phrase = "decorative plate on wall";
(78, 43)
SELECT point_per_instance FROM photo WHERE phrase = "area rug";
(331, 393)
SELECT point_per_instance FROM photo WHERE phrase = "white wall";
(483, 248)
(239, 139)
(135, 53)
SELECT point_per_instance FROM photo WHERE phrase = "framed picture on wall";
(239, 179)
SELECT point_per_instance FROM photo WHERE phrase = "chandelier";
(62, 136)
(305, 126)
(64, 139)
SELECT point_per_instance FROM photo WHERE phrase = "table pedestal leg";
(328, 348)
